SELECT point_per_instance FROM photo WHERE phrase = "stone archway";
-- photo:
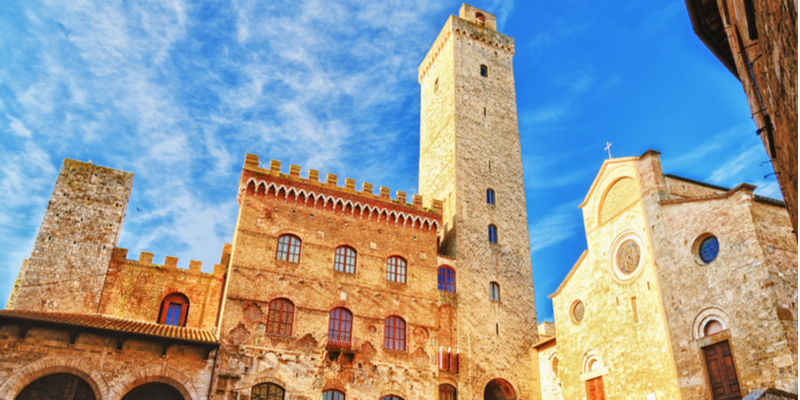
(54, 365)
(58, 386)
(161, 375)
(499, 389)
(154, 391)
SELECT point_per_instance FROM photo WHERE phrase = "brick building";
(687, 291)
(325, 291)
(757, 41)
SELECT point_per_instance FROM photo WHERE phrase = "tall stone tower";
(71, 255)
(470, 144)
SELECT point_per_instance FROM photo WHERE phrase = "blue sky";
(178, 91)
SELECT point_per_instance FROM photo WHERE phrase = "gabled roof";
(762, 199)
(603, 168)
(569, 275)
(115, 324)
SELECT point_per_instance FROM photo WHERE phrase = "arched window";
(447, 392)
(332, 394)
(713, 327)
(174, 309)
(394, 333)
(267, 391)
(484, 71)
(447, 279)
(345, 260)
(396, 269)
(340, 326)
(480, 19)
(281, 316)
(492, 234)
(494, 291)
(490, 196)
(391, 397)
(288, 248)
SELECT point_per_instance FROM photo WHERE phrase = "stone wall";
(80, 228)
(302, 362)
(547, 355)
(135, 289)
(110, 365)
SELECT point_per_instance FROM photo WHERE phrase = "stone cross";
(608, 147)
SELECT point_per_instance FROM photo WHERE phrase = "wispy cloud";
(718, 142)
(557, 225)
(748, 158)
(18, 128)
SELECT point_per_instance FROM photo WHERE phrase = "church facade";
(686, 291)
(325, 291)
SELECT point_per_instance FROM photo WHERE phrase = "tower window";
(345, 260)
(494, 291)
(394, 333)
(490, 196)
(281, 316)
(447, 279)
(484, 70)
(492, 234)
(396, 269)
(288, 249)
(480, 19)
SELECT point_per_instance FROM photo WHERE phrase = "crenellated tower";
(470, 158)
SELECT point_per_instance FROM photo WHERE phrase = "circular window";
(708, 249)
(628, 256)
(578, 310)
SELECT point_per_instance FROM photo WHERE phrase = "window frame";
(331, 394)
(491, 197)
(449, 272)
(392, 270)
(267, 394)
(395, 333)
(340, 320)
(450, 392)
(175, 298)
(345, 258)
(492, 296)
(290, 246)
(493, 234)
(280, 321)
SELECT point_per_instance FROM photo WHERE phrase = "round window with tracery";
(628, 256)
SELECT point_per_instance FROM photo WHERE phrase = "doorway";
(722, 372)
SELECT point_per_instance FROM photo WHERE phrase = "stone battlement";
(145, 260)
(253, 173)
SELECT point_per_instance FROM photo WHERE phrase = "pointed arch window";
(396, 269)
(267, 391)
(345, 260)
(289, 248)
(340, 327)
(332, 395)
(281, 317)
(490, 196)
(494, 291)
(394, 333)
(174, 309)
(447, 279)
(492, 234)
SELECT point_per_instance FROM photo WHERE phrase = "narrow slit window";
(492, 234)
(490, 196)
(494, 291)
(484, 71)
(635, 308)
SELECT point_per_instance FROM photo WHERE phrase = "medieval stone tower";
(67, 268)
(470, 158)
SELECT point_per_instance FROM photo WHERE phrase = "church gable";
(621, 194)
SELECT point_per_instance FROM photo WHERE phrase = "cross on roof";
(608, 147)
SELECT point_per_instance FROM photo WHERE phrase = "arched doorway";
(499, 389)
(57, 387)
(154, 391)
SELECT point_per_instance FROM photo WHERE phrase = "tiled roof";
(115, 324)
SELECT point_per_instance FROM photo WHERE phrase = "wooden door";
(722, 372)
(594, 389)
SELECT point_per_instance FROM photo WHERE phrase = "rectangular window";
(635, 310)
(173, 314)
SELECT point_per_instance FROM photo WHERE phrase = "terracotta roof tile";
(115, 324)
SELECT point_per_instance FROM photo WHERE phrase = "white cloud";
(18, 127)
(746, 159)
(556, 226)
